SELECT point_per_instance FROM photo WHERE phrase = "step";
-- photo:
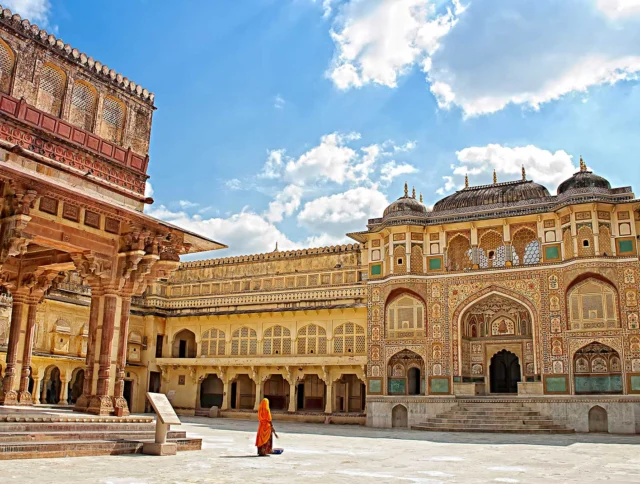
(38, 450)
(489, 424)
(71, 418)
(491, 414)
(512, 430)
(72, 426)
(84, 436)
(471, 421)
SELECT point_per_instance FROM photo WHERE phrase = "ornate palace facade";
(501, 289)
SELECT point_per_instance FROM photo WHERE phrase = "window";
(7, 63)
(159, 343)
(585, 243)
(212, 343)
(459, 254)
(405, 318)
(244, 341)
(526, 247)
(312, 339)
(276, 341)
(83, 105)
(51, 89)
(112, 120)
(592, 305)
(349, 338)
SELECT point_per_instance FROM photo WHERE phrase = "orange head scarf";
(264, 427)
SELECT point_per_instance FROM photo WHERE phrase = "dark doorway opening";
(154, 387)
(413, 376)
(234, 392)
(300, 396)
(128, 393)
(504, 372)
(182, 352)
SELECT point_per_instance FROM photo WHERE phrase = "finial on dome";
(466, 180)
(421, 198)
(413, 192)
(524, 174)
(583, 165)
(406, 189)
(276, 249)
(495, 177)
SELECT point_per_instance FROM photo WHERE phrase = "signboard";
(163, 408)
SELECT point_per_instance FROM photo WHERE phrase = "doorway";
(413, 375)
(154, 387)
(504, 372)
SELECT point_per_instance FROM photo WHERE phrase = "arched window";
(459, 254)
(83, 105)
(276, 341)
(184, 344)
(592, 305)
(349, 338)
(417, 264)
(212, 343)
(51, 89)
(405, 318)
(7, 63)
(526, 247)
(604, 240)
(399, 260)
(567, 241)
(491, 250)
(244, 341)
(312, 339)
(112, 119)
(585, 242)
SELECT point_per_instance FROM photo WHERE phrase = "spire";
(276, 249)
(421, 198)
(466, 180)
(495, 177)
(583, 165)
(406, 189)
(524, 174)
(413, 192)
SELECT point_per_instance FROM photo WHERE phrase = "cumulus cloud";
(186, 204)
(35, 10)
(545, 167)
(391, 170)
(619, 8)
(148, 189)
(376, 42)
(273, 166)
(285, 203)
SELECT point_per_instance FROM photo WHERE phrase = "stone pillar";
(119, 402)
(328, 407)
(36, 390)
(292, 396)
(87, 389)
(258, 395)
(226, 394)
(43, 392)
(24, 397)
(101, 403)
(64, 392)
(9, 383)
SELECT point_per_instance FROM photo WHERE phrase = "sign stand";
(165, 417)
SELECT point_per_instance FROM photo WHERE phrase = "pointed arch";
(604, 240)
(567, 241)
(113, 116)
(276, 340)
(84, 98)
(7, 66)
(592, 303)
(417, 260)
(526, 246)
(399, 260)
(51, 89)
(349, 338)
(312, 339)
(459, 253)
(405, 316)
(586, 246)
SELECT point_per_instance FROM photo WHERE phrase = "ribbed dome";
(584, 179)
(405, 206)
(507, 192)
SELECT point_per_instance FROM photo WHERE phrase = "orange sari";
(264, 437)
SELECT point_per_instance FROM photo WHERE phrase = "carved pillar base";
(25, 398)
(100, 405)
(10, 398)
(121, 407)
(82, 404)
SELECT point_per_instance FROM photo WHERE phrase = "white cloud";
(391, 170)
(376, 42)
(279, 102)
(36, 11)
(545, 167)
(285, 203)
(148, 189)
(185, 204)
(233, 184)
(619, 8)
(273, 166)
(408, 146)
(345, 211)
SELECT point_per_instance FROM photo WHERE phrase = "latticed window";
(244, 341)
(585, 242)
(7, 63)
(312, 339)
(399, 260)
(604, 240)
(459, 254)
(416, 260)
(112, 120)
(349, 338)
(83, 105)
(567, 241)
(276, 341)
(592, 305)
(405, 318)
(213, 343)
(526, 247)
(51, 89)
(491, 250)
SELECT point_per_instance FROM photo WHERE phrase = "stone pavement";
(345, 454)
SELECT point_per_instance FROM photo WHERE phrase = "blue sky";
(296, 120)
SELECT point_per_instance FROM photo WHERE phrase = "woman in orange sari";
(264, 439)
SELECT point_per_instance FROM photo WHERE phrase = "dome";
(405, 206)
(507, 192)
(584, 179)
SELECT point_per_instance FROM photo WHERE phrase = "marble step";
(490, 414)
(537, 421)
(38, 450)
(73, 426)
(67, 436)
(496, 429)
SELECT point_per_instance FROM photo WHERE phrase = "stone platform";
(30, 432)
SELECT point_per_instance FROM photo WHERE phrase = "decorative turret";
(584, 179)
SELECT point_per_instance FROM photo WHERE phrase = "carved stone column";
(226, 392)
(24, 397)
(43, 391)
(328, 407)
(36, 390)
(119, 402)
(82, 404)
(101, 403)
(10, 396)
(64, 392)
(292, 395)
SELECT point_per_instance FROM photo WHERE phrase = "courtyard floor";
(336, 454)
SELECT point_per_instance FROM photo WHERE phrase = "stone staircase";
(492, 416)
(38, 435)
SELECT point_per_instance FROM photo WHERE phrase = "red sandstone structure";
(74, 139)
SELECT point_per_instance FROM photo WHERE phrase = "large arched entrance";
(211, 392)
(405, 373)
(504, 372)
(597, 369)
(184, 345)
(76, 385)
